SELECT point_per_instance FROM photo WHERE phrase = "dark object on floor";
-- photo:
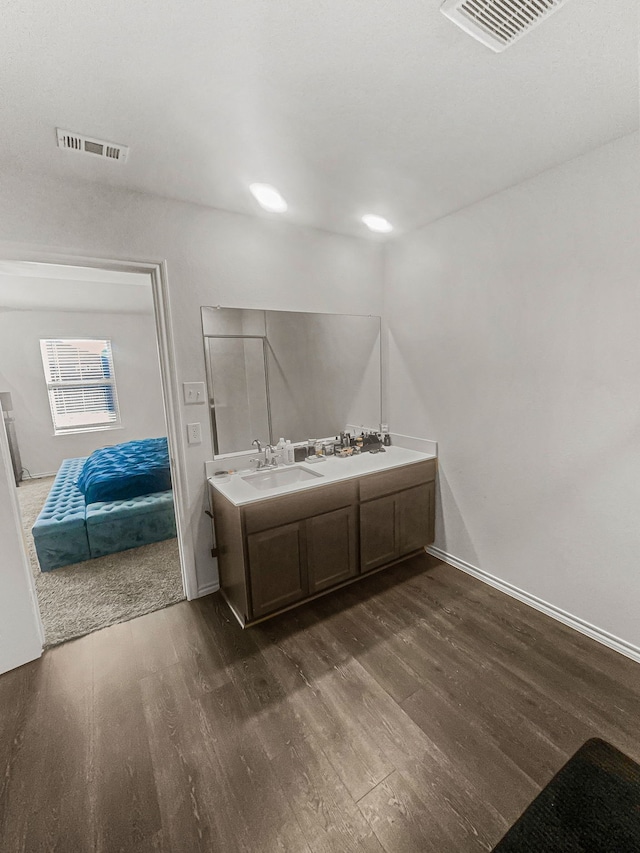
(591, 806)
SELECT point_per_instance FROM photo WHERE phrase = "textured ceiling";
(347, 107)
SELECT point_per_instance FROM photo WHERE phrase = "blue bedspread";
(126, 471)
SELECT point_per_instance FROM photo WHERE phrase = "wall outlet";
(194, 433)
(193, 392)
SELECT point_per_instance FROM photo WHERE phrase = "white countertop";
(333, 470)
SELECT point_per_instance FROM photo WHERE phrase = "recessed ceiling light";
(268, 197)
(377, 223)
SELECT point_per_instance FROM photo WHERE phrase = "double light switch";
(193, 392)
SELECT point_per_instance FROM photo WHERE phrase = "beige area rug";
(78, 599)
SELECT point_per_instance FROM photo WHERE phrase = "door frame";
(157, 271)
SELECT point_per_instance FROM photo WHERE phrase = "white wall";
(137, 371)
(213, 257)
(515, 342)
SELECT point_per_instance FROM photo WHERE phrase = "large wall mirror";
(292, 374)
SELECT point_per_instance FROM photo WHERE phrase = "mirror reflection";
(298, 375)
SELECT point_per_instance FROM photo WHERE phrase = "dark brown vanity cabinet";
(288, 549)
(277, 567)
(396, 524)
(290, 562)
(416, 511)
(378, 532)
(332, 548)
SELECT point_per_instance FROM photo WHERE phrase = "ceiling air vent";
(498, 23)
(89, 145)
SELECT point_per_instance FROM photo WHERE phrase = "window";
(81, 385)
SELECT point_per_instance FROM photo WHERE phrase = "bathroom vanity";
(292, 533)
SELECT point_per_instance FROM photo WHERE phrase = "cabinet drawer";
(277, 511)
(396, 479)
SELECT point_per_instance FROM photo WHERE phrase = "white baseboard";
(615, 643)
(40, 476)
(208, 588)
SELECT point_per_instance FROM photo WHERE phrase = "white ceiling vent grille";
(89, 145)
(498, 23)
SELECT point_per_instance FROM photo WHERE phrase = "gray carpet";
(82, 598)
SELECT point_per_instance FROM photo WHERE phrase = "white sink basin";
(280, 477)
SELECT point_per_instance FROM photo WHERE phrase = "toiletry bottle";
(288, 452)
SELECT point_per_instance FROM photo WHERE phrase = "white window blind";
(81, 384)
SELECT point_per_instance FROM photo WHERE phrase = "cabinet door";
(378, 535)
(415, 517)
(331, 548)
(277, 568)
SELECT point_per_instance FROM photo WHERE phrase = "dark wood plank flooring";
(419, 710)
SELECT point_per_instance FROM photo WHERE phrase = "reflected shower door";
(238, 399)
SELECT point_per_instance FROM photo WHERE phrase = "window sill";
(86, 429)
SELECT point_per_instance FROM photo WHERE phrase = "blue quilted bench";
(70, 531)
(117, 525)
(60, 531)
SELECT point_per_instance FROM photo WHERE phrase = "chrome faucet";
(270, 456)
(256, 442)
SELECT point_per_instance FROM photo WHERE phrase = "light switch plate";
(194, 433)
(193, 392)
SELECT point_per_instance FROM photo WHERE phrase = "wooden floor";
(417, 711)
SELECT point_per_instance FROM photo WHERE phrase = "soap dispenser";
(289, 453)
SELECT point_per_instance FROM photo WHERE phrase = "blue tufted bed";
(118, 498)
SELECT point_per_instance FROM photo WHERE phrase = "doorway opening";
(85, 393)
